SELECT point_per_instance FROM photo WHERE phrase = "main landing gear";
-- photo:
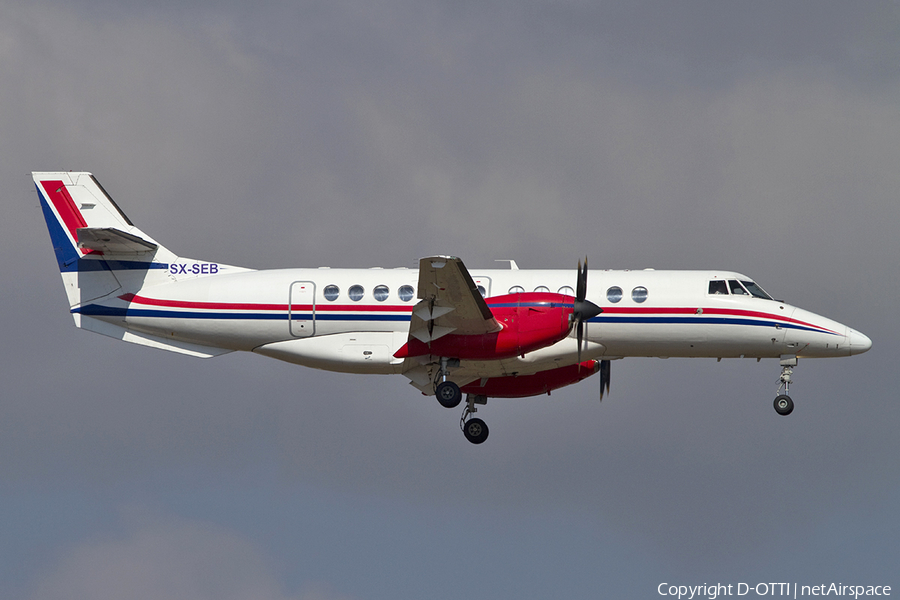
(475, 430)
(446, 392)
(449, 395)
(783, 403)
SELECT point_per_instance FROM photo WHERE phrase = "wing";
(449, 302)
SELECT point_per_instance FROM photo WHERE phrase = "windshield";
(757, 291)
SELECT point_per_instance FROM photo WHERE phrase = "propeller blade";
(584, 279)
(604, 377)
(579, 333)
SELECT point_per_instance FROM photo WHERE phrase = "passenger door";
(302, 309)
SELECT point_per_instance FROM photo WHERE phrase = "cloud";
(169, 560)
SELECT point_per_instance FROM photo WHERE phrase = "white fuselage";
(285, 314)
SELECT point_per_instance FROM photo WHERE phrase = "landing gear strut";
(783, 403)
(475, 430)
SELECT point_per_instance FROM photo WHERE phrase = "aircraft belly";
(363, 352)
(223, 333)
(701, 339)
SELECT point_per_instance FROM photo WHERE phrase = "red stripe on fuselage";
(135, 299)
(730, 312)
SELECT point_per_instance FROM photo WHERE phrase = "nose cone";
(859, 342)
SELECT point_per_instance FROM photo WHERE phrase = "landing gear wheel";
(448, 394)
(784, 405)
(475, 430)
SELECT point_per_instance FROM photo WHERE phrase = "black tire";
(448, 394)
(784, 405)
(476, 431)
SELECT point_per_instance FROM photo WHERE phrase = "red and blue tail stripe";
(63, 219)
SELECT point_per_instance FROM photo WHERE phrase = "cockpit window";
(757, 291)
(736, 288)
(718, 287)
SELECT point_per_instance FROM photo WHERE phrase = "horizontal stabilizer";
(110, 240)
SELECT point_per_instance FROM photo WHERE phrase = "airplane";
(485, 333)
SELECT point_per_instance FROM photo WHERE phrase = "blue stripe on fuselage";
(96, 310)
(124, 312)
(611, 319)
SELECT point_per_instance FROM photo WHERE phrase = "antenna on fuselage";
(512, 264)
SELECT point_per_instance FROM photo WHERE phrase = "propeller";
(584, 309)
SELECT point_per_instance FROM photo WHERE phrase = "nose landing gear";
(783, 403)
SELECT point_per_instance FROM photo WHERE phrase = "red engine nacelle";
(533, 385)
(530, 321)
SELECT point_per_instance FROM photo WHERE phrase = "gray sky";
(760, 137)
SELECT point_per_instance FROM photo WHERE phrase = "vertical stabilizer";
(98, 248)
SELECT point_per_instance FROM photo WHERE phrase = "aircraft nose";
(859, 342)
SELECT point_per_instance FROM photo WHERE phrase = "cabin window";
(542, 288)
(566, 290)
(736, 288)
(356, 292)
(381, 292)
(718, 287)
(482, 291)
(639, 294)
(406, 292)
(516, 289)
(614, 294)
(332, 292)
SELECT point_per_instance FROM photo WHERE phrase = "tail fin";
(99, 250)
(104, 259)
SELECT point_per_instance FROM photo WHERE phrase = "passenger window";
(356, 292)
(332, 292)
(542, 288)
(736, 288)
(516, 289)
(718, 288)
(639, 294)
(406, 292)
(614, 294)
(381, 292)
(482, 291)
(566, 290)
